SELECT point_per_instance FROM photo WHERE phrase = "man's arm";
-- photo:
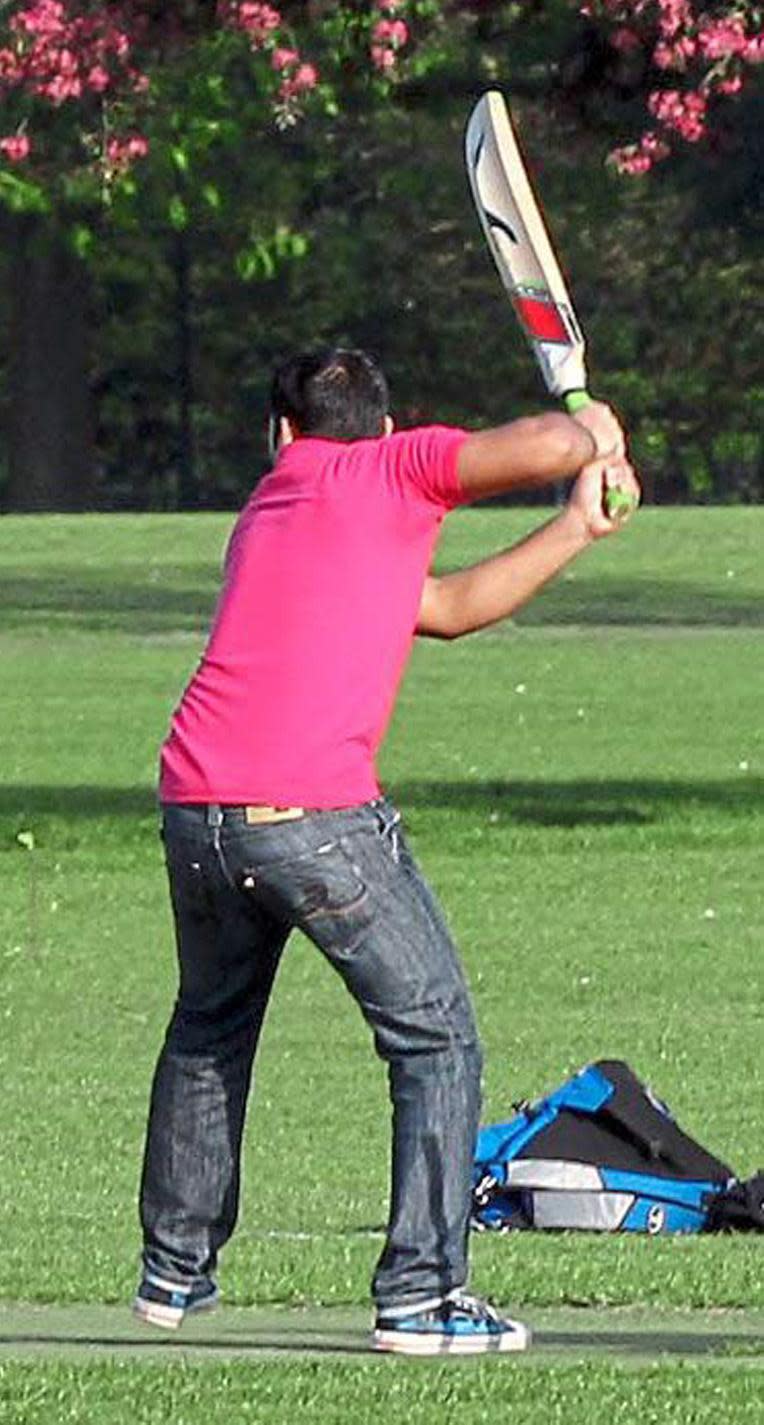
(472, 598)
(537, 450)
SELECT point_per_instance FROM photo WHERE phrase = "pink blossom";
(675, 15)
(16, 147)
(625, 40)
(685, 113)
(46, 18)
(383, 58)
(633, 164)
(10, 70)
(639, 158)
(663, 55)
(284, 58)
(754, 50)
(717, 39)
(125, 150)
(655, 147)
(731, 85)
(98, 79)
(59, 55)
(60, 88)
(302, 81)
(392, 32)
(258, 21)
(676, 55)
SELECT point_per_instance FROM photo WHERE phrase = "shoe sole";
(169, 1318)
(434, 1344)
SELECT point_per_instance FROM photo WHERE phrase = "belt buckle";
(270, 815)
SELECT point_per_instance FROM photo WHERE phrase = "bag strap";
(739, 1207)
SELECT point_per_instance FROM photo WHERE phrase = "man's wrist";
(594, 450)
(574, 528)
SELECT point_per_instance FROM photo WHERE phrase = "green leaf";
(177, 213)
(22, 195)
(82, 239)
(246, 264)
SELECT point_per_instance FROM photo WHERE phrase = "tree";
(687, 60)
(184, 93)
(188, 128)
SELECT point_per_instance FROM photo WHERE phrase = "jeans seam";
(220, 854)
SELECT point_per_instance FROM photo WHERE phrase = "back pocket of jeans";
(326, 895)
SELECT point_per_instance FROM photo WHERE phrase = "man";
(273, 818)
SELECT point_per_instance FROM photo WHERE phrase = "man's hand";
(604, 428)
(586, 508)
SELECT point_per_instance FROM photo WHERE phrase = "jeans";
(348, 880)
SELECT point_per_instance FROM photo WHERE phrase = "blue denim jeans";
(347, 879)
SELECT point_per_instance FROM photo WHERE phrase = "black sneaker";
(159, 1302)
(456, 1325)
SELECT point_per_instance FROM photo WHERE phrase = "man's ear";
(389, 425)
(281, 433)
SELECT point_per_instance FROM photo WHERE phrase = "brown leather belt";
(267, 816)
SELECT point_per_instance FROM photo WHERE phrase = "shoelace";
(472, 1306)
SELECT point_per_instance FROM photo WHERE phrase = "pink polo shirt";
(323, 580)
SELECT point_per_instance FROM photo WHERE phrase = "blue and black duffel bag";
(603, 1154)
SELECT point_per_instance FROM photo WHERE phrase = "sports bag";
(603, 1154)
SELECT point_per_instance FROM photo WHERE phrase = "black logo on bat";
(491, 218)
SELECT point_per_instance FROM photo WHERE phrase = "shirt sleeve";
(426, 458)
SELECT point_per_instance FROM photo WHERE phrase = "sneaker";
(159, 1302)
(456, 1325)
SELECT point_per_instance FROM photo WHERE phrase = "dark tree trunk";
(188, 483)
(51, 461)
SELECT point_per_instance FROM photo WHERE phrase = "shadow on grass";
(92, 602)
(631, 602)
(104, 601)
(304, 1341)
(540, 802)
(260, 1343)
(586, 803)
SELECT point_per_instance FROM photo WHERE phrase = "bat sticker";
(543, 321)
(502, 225)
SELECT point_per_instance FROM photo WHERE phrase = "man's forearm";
(537, 450)
(531, 451)
(469, 599)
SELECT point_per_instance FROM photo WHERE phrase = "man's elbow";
(444, 632)
(440, 617)
(560, 447)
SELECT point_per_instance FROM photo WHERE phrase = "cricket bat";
(518, 241)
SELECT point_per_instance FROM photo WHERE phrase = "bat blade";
(520, 246)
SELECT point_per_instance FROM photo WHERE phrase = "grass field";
(583, 786)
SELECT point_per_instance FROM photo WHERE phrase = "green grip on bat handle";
(576, 400)
(618, 503)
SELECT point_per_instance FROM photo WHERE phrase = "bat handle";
(618, 505)
(576, 400)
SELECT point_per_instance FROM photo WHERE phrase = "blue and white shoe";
(454, 1325)
(159, 1302)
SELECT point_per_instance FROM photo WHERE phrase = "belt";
(254, 815)
(268, 815)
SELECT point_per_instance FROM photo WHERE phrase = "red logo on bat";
(542, 319)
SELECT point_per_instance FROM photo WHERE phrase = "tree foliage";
(241, 178)
(85, 85)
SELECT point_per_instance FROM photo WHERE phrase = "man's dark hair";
(331, 392)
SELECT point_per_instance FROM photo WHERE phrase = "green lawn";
(584, 788)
